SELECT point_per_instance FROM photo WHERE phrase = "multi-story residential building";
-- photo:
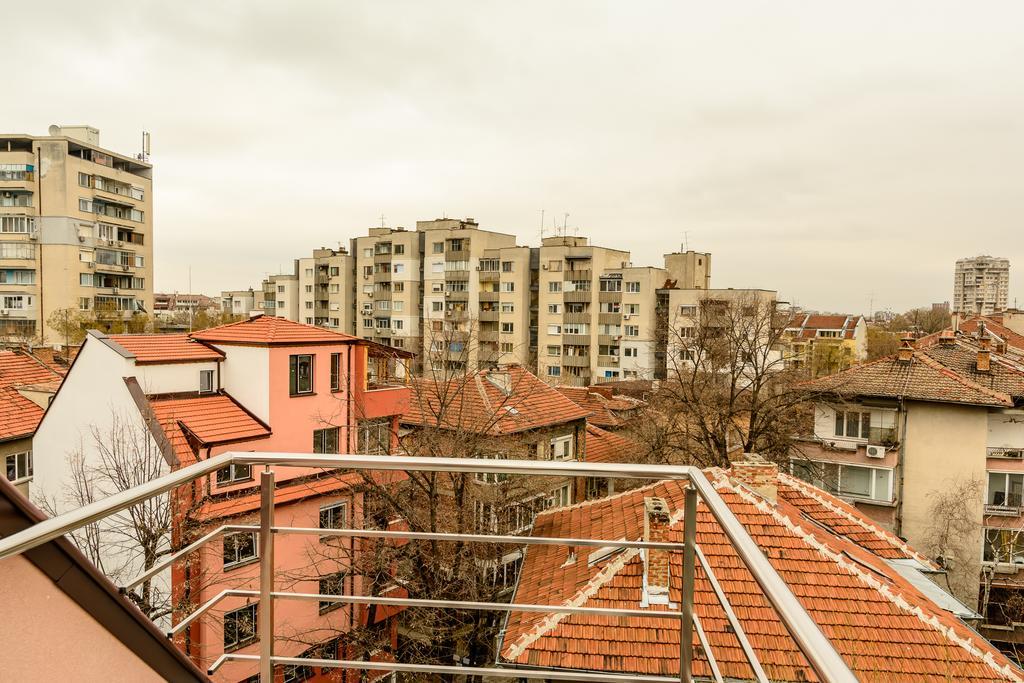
(26, 384)
(579, 285)
(149, 404)
(389, 287)
(868, 592)
(981, 285)
(505, 287)
(326, 289)
(170, 305)
(280, 296)
(824, 344)
(689, 269)
(240, 302)
(900, 435)
(76, 230)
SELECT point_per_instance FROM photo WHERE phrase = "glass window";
(240, 626)
(375, 437)
(1004, 546)
(325, 440)
(334, 516)
(1005, 489)
(300, 380)
(19, 466)
(206, 381)
(335, 372)
(239, 547)
(332, 584)
(233, 473)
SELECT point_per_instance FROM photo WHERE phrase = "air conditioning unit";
(544, 266)
(875, 451)
(124, 268)
(4, 312)
(81, 238)
(120, 243)
(615, 360)
(90, 264)
(627, 316)
(8, 195)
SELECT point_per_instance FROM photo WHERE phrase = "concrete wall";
(244, 376)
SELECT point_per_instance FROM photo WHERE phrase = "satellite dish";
(55, 130)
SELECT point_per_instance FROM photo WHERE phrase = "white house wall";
(171, 378)
(1006, 429)
(245, 374)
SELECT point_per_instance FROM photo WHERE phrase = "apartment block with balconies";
(507, 301)
(387, 293)
(456, 290)
(76, 230)
(280, 295)
(574, 280)
(325, 290)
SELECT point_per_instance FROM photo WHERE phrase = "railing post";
(266, 608)
(686, 595)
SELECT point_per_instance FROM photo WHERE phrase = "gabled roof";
(806, 325)
(605, 446)
(269, 330)
(208, 420)
(20, 416)
(924, 377)
(604, 407)
(163, 348)
(882, 625)
(505, 400)
(994, 326)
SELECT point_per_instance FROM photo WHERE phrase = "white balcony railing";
(823, 658)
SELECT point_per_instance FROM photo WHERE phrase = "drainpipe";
(900, 457)
(39, 243)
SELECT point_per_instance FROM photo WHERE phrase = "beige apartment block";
(76, 230)
(326, 290)
(507, 297)
(574, 280)
(281, 295)
(388, 264)
(454, 338)
(689, 269)
(238, 301)
(981, 285)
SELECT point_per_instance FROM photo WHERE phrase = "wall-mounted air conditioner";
(875, 451)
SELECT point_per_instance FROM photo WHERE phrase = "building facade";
(76, 230)
(824, 344)
(981, 285)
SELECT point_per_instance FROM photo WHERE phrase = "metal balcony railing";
(819, 652)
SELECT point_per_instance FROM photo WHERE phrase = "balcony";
(458, 255)
(263, 591)
(1003, 510)
(577, 275)
(456, 275)
(489, 276)
(576, 318)
(576, 339)
(577, 297)
(487, 335)
(489, 296)
(456, 296)
(488, 316)
(609, 297)
(609, 318)
(576, 361)
(382, 257)
(607, 361)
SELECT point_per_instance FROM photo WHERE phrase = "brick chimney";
(947, 338)
(758, 475)
(906, 351)
(656, 523)
(984, 363)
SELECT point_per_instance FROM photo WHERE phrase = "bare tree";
(729, 386)
(950, 537)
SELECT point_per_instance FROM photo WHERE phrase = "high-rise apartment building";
(281, 295)
(76, 230)
(981, 285)
(325, 290)
(388, 287)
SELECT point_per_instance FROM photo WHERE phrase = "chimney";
(758, 475)
(947, 338)
(656, 523)
(906, 351)
(984, 363)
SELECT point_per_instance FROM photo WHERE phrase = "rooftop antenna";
(382, 220)
(565, 224)
(542, 224)
(686, 240)
(191, 311)
(144, 155)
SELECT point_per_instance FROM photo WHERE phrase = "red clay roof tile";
(165, 348)
(20, 416)
(212, 419)
(605, 446)
(268, 330)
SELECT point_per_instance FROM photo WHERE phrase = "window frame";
(239, 561)
(233, 471)
(320, 441)
(23, 470)
(335, 372)
(250, 637)
(338, 578)
(293, 374)
(206, 388)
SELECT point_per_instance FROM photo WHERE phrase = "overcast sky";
(824, 149)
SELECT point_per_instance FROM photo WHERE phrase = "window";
(1004, 546)
(555, 286)
(508, 307)
(554, 350)
(206, 381)
(335, 372)
(507, 286)
(631, 309)
(334, 516)
(309, 272)
(398, 287)
(397, 305)
(560, 497)
(1005, 489)
(300, 375)
(240, 627)
(611, 285)
(560, 448)
(368, 252)
(332, 584)
(576, 328)
(233, 473)
(853, 424)
(633, 287)
(611, 307)
(399, 249)
(507, 347)
(396, 324)
(687, 332)
(506, 266)
(239, 547)
(398, 268)
(632, 330)
(554, 329)
(374, 437)
(325, 440)
(309, 288)
(280, 289)
(85, 279)
(19, 466)
(438, 247)
(556, 266)
(554, 371)
(436, 306)
(335, 271)
(507, 328)
(368, 322)
(872, 483)
(630, 352)
(688, 310)
(555, 308)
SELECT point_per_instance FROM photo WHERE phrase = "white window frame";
(20, 464)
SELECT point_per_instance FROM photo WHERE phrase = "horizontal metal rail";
(169, 560)
(463, 604)
(228, 593)
(538, 674)
(481, 538)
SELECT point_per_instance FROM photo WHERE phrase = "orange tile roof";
(476, 402)
(212, 419)
(994, 326)
(882, 626)
(605, 408)
(605, 446)
(164, 348)
(20, 416)
(806, 325)
(288, 491)
(268, 330)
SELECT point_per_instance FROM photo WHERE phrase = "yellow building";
(76, 230)
(823, 344)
